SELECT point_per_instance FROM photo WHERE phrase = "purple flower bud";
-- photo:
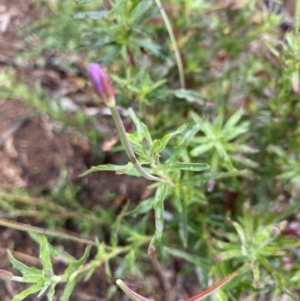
(6, 275)
(102, 84)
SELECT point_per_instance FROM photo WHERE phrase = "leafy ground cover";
(208, 92)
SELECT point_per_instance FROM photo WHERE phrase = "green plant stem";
(296, 17)
(128, 148)
(29, 228)
(173, 41)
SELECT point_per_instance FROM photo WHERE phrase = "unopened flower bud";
(102, 84)
(6, 275)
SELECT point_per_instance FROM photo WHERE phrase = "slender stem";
(29, 228)
(128, 148)
(296, 17)
(173, 41)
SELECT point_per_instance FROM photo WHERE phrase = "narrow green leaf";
(159, 217)
(226, 245)
(186, 140)
(234, 119)
(287, 175)
(51, 292)
(196, 118)
(143, 207)
(189, 95)
(156, 146)
(241, 233)
(142, 129)
(29, 291)
(24, 269)
(156, 85)
(194, 259)
(33, 277)
(120, 9)
(126, 169)
(200, 179)
(68, 290)
(101, 253)
(185, 166)
(94, 15)
(245, 161)
(256, 273)
(163, 142)
(144, 132)
(183, 226)
(217, 125)
(232, 133)
(111, 167)
(198, 150)
(247, 219)
(141, 8)
(150, 46)
(82, 2)
(75, 265)
(115, 227)
(45, 253)
(230, 254)
(45, 287)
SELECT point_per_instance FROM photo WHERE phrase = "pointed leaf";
(241, 233)
(157, 148)
(29, 291)
(150, 46)
(45, 287)
(189, 95)
(111, 167)
(234, 119)
(159, 217)
(186, 140)
(198, 150)
(74, 266)
(142, 8)
(126, 169)
(45, 254)
(94, 15)
(68, 290)
(143, 207)
(24, 269)
(141, 128)
(197, 260)
(185, 166)
(51, 292)
(82, 2)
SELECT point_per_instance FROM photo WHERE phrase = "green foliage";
(226, 143)
(45, 280)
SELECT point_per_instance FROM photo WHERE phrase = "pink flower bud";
(6, 275)
(102, 84)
